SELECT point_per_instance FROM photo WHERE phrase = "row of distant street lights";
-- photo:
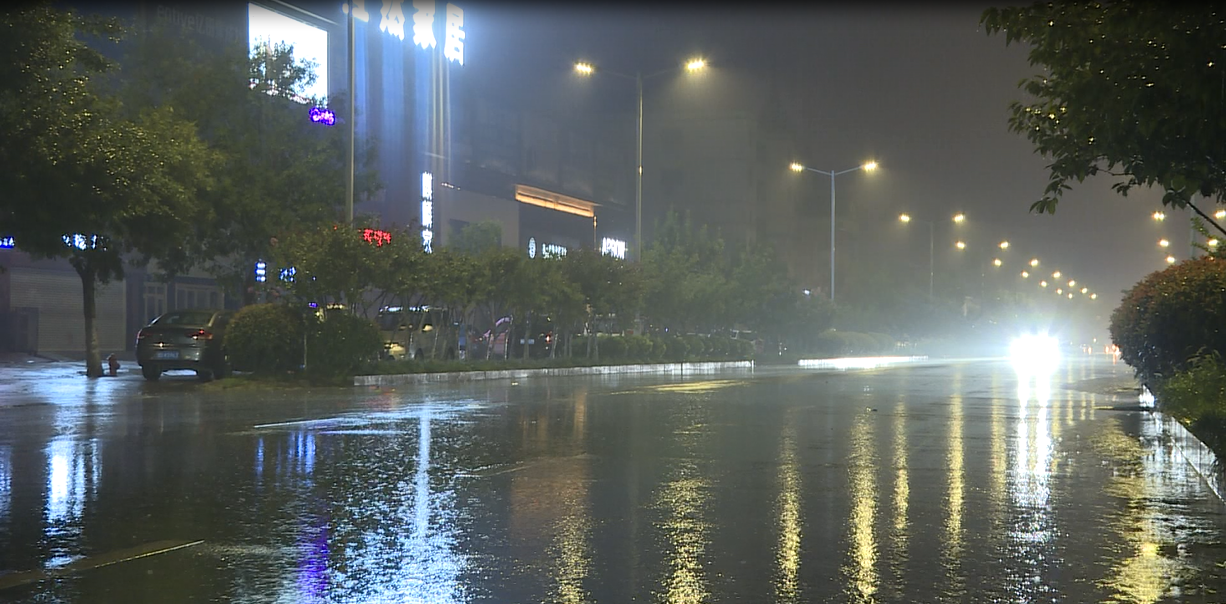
(696, 65)
(1165, 243)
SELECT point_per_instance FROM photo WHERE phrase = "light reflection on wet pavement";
(940, 482)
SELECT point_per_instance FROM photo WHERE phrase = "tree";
(282, 172)
(87, 178)
(476, 238)
(1134, 90)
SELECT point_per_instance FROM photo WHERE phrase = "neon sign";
(320, 115)
(552, 250)
(532, 247)
(392, 22)
(376, 237)
(427, 211)
(613, 247)
(261, 271)
(7, 243)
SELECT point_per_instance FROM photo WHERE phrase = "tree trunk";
(93, 355)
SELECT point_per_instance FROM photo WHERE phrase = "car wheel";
(419, 355)
(151, 373)
(204, 375)
(450, 354)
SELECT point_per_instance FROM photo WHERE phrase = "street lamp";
(1170, 260)
(1043, 284)
(1164, 243)
(1220, 214)
(1055, 275)
(997, 262)
(867, 167)
(1034, 262)
(1025, 274)
(960, 245)
(905, 218)
(1072, 283)
(587, 69)
(1004, 245)
(959, 217)
(1159, 216)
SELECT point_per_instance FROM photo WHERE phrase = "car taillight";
(200, 334)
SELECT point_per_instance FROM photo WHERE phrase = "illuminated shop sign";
(548, 250)
(319, 115)
(376, 237)
(7, 243)
(266, 27)
(427, 211)
(613, 247)
(261, 271)
(392, 22)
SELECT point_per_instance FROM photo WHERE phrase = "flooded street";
(923, 483)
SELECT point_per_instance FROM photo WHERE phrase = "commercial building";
(450, 153)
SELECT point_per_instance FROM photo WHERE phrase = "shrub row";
(834, 342)
(268, 339)
(667, 348)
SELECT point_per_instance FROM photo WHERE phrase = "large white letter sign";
(454, 48)
(423, 23)
(393, 18)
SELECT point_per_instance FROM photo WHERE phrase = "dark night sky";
(921, 89)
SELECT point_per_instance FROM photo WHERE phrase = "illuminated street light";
(1159, 216)
(959, 218)
(960, 245)
(584, 68)
(1025, 275)
(1059, 291)
(997, 262)
(1055, 275)
(1170, 260)
(902, 217)
(1072, 283)
(1212, 243)
(1164, 243)
(1220, 214)
(1070, 295)
(1093, 296)
(1004, 245)
(1043, 284)
(1034, 262)
(868, 166)
(1085, 290)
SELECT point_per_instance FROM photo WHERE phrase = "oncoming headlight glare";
(1035, 353)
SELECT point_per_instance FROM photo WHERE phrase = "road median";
(401, 379)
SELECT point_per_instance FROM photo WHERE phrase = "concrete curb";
(401, 379)
(1196, 453)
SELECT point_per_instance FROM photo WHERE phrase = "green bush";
(718, 347)
(659, 349)
(265, 338)
(341, 343)
(1196, 396)
(1171, 316)
(677, 349)
(696, 347)
(638, 348)
(743, 349)
(884, 343)
(612, 348)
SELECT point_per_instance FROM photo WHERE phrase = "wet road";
(915, 484)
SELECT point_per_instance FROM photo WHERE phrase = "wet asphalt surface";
(927, 483)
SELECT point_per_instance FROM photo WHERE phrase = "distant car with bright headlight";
(184, 340)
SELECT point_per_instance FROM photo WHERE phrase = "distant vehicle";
(184, 340)
(418, 333)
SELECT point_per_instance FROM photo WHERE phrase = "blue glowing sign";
(7, 243)
(261, 271)
(319, 115)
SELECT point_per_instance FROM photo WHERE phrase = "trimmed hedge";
(264, 338)
(341, 343)
(1171, 316)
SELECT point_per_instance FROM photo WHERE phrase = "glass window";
(185, 317)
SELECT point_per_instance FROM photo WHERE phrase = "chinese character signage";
(377, 237)
(422, 22)
(427, 211)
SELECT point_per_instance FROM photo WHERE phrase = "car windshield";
(187, 317)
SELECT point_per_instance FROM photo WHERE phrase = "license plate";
(166, 354)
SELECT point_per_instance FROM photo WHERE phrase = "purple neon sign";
(319, 115)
